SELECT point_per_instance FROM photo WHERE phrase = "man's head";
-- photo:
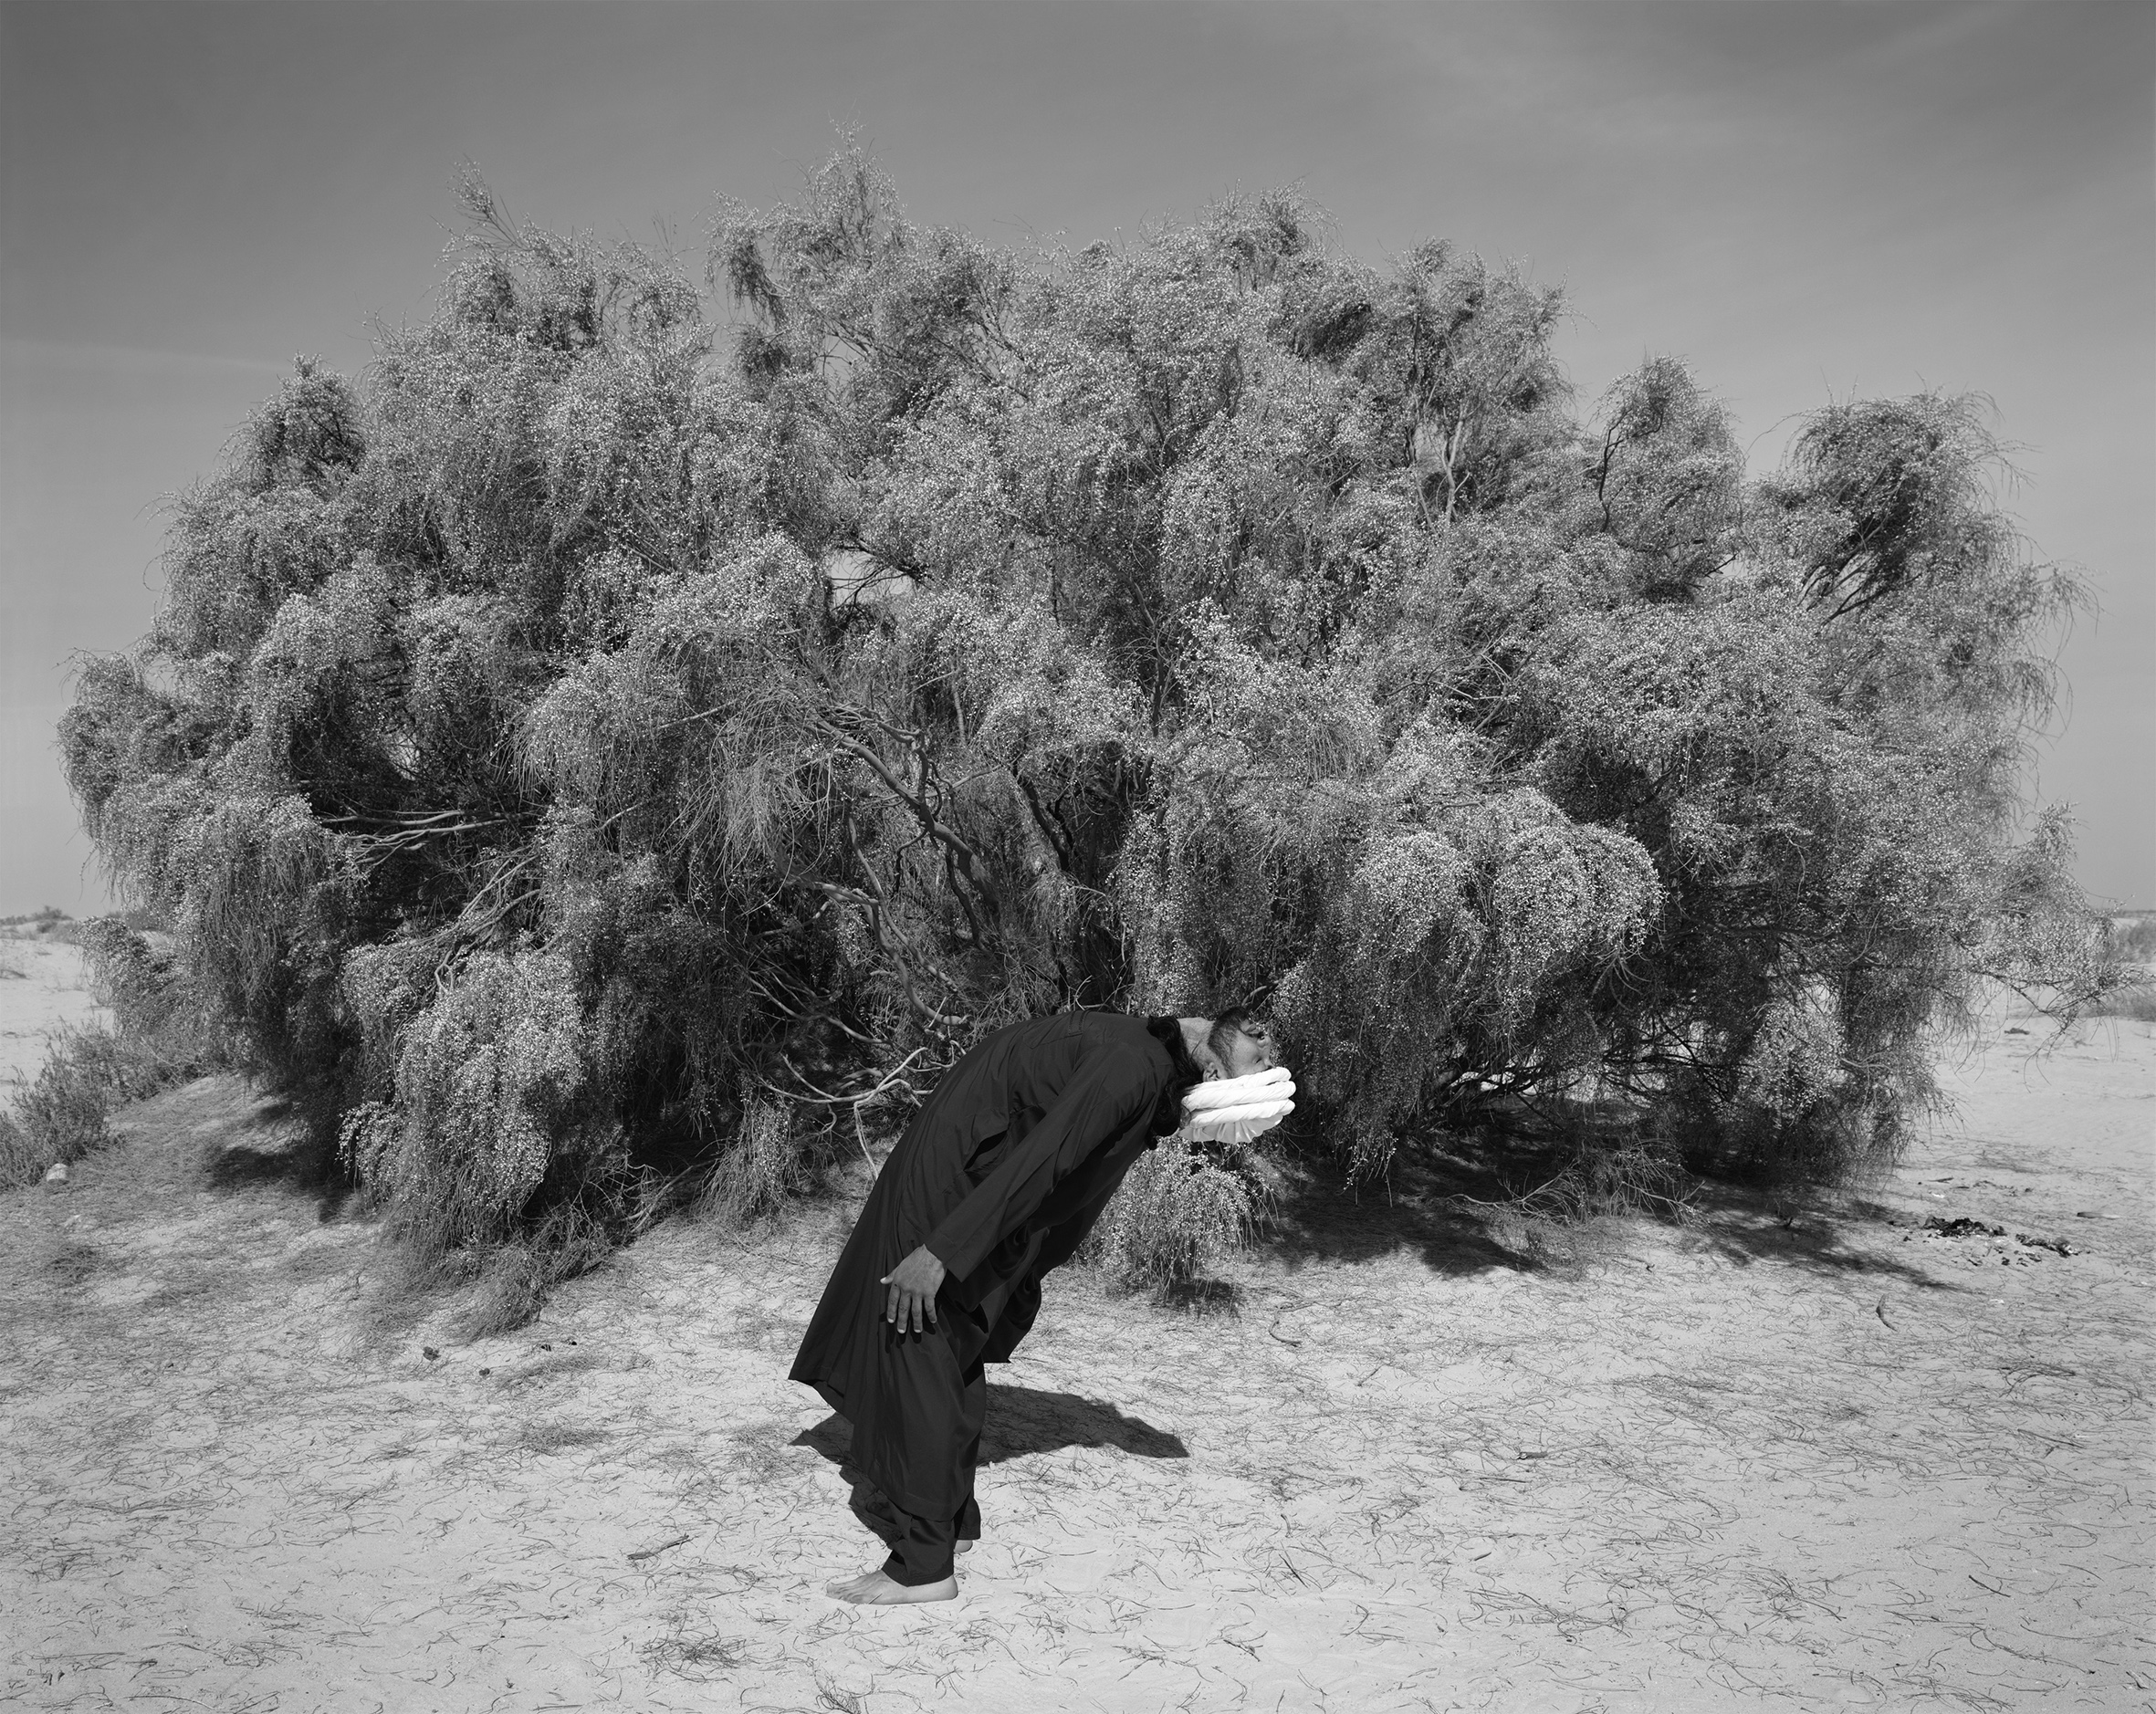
(1241, 1041)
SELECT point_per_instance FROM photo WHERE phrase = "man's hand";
(911, 1289)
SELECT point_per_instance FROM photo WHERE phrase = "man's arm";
(1109, 1090)
(1064, 1237)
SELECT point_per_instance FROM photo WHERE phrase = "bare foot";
(873, 1589)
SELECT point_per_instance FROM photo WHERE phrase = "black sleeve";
(1110, 1088)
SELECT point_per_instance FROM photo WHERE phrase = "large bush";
(590, 738)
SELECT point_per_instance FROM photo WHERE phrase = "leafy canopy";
(609, 736)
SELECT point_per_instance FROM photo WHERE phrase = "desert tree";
(653, 722)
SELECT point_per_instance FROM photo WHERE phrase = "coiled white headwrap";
(1236, 1109)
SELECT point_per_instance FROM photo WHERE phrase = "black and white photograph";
(1077, 856)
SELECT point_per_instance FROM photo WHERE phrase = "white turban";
(1236, 1109)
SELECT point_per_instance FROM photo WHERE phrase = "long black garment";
(1002, 1173)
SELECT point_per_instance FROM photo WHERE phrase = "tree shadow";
(1804, 1228)
(1320, 1214)
(1455, 1211)
(273, 1145)
(1024, 1421)
(238, 1165)
(1201, 1297)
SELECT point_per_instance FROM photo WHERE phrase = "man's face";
(1247, 1052)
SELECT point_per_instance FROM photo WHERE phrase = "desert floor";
(1792, 1455)
(44, 987)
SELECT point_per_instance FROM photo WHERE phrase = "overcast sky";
(1802, 201)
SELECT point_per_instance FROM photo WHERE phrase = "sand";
(44, 989)
(1793, 1455)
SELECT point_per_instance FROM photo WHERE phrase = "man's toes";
(877, 1589)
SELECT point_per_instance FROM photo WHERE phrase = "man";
(998, 1178)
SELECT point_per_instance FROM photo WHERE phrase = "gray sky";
(1803, 201)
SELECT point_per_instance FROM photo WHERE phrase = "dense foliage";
(587, 746)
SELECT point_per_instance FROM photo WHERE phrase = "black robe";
(1002, 1173)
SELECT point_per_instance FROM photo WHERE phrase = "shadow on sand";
(1023, 1421)
(1321, 1215)
(1458, 1213)
(1817, 1231)
(264, 1143)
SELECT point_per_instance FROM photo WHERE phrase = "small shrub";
(772, 1159)
(50, 922)
(1628, 1177)
(517, 1276)
(2137, 1002)
(20, 1163)
(159, 1039)
(2135, 942)
(1179, 1207)
(59, 1115)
